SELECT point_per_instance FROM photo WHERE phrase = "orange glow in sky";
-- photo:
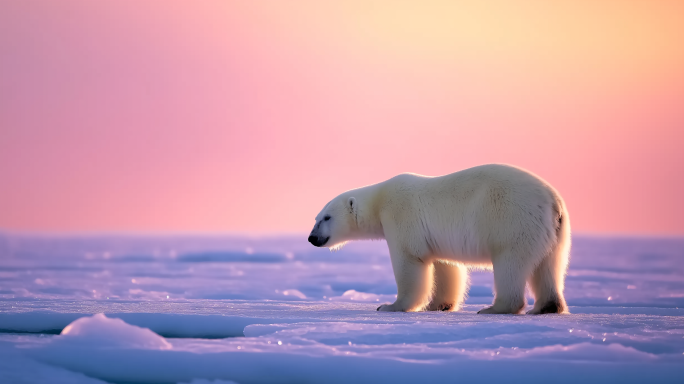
(248, 116)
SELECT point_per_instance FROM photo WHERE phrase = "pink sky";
(248, 116)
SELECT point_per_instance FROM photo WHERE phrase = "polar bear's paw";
(390, 308)
(487, 311)
(441, 307)
(493, 310)
(550, 307)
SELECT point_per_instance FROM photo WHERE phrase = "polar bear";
(491, 216)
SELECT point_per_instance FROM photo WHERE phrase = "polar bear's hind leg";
(548, 279)
(546, 284)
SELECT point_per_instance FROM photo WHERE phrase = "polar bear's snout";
(317, 237)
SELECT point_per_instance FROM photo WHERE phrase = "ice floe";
(275, 310)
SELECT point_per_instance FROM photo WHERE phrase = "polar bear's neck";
(368, 219)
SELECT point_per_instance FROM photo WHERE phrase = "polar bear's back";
(476, 212)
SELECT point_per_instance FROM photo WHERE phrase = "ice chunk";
(99, 330)
(295, 293)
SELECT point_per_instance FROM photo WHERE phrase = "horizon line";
(261, 234)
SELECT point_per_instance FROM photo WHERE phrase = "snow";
(276, 310)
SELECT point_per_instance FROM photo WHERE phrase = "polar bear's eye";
(326, 218)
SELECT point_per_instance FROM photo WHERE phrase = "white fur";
(491, 216)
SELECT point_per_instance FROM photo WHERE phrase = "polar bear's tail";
(548, 280)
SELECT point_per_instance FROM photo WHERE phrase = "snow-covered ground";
(277, 310)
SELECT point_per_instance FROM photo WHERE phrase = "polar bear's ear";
(351, 205)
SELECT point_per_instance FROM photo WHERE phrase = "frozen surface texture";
(276, 310)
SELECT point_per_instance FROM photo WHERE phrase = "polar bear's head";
(336, 223)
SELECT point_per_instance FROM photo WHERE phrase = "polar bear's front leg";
(414, 282)
(451, 284)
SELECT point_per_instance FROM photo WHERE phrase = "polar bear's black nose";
(317, 241)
